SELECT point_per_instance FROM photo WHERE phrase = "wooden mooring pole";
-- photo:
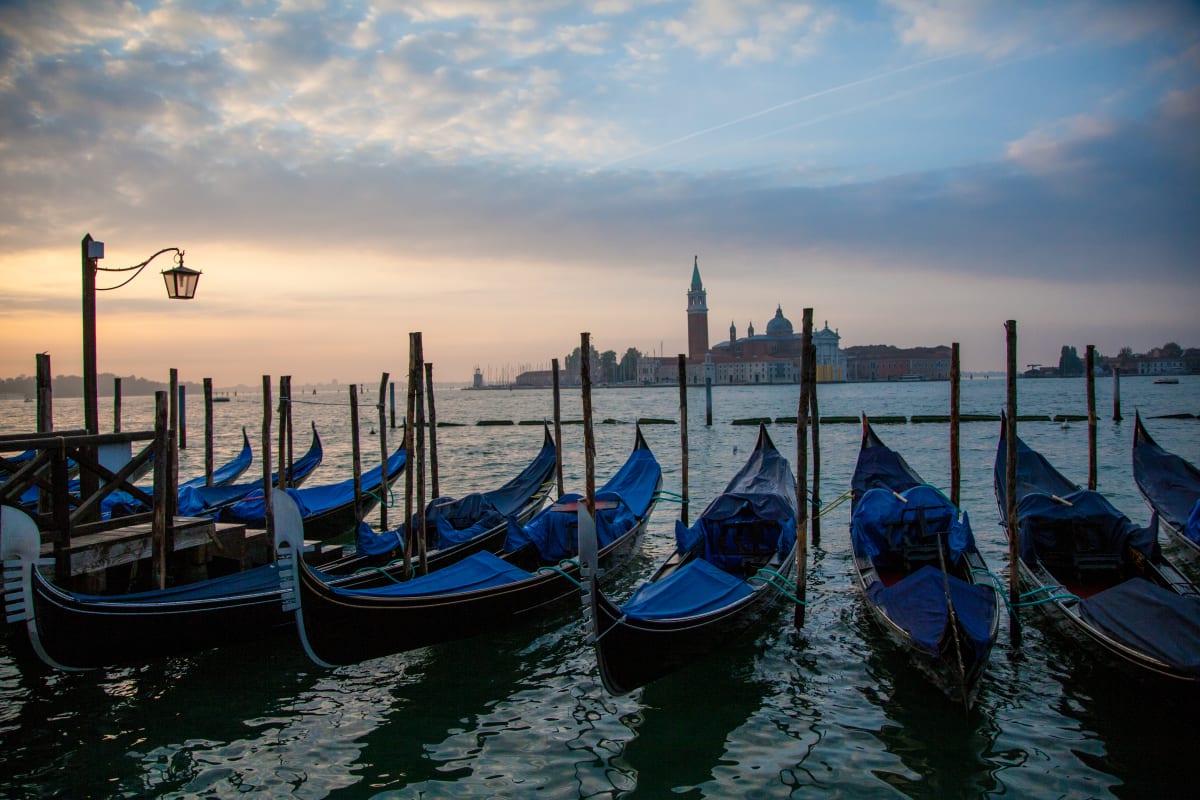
(182, 417)
(283, 411)
(1091, 401)
(208, 431)
(1116, 393)
(160, 527)
(683, 438)
(45, 413)
(434, 485)
(558, 467)
(116, 405)
(955, 385)
(384, 487)
(814, 421)
(355, 454)
(802, 414)
(266, 452)
(589, 439)
(1010, 480)
(409, 423)
(419, 430)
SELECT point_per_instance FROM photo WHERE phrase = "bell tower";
(697, 310)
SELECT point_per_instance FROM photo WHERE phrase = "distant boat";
(912, 376)
(220, 399)
(1166, 380)
(28, 399)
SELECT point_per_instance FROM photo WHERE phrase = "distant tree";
(608, 366)
(1069, 363)
(1172, 350)
(629, 363)
(1126, 352)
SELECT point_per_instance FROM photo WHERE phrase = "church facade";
(773, 356)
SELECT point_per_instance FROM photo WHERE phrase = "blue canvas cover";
(370, 543)
(1034, 472)
(880, 467)
(696, 588)
(1151, 620)
(1170, 483)
(1049, 526)
(763, 490)
(251, 510)
(555, 534)
(917, 603)
(882, 522)
(481, 570)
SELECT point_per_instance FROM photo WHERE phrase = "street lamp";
(181, 285)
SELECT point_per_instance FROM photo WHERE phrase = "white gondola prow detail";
(20, 549)
(289, 548)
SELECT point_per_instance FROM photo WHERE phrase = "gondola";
(919, 570)
(720, 581)
(328, 510)
(1102, 578)
(198, 500)
(1171, 487)
(480, 593)
(68, 630)
(456, 527)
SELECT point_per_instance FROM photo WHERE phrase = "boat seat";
(741, 544)
(920, 538)
(1093, 562)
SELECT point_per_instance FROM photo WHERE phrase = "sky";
(503, 176)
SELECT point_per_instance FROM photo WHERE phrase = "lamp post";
(181, 285)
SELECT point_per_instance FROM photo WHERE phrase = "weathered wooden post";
(283, 410)
(434, 484)
(291, 453)
(955, 467)
(208, 431)
(814, 422)
(683, 437)
(116, 405)
(266, 454)
(802, 414)
(182, 417)
(1010, 479)
(45, 394)
(392, 403)
(1116, 393)
(419, 431)
(355, 454)
(1091, 401)
(409, 422)
(383, 456)
(160, 545)
(173, 454)
(589, 439)
(708, 379)
(558, 465)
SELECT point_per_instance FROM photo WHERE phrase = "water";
(831, 709)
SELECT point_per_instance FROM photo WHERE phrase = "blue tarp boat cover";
(311, 500)
(882, 522)
(917, 603)
(1151, 620)
(1049, 526)
(555, 533)
(1034, 472)
(762, 491)
(880, 467)
(370, 543)
(1170, 483)
(481, 570)
(696, 588)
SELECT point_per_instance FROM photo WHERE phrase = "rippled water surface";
(828, 709)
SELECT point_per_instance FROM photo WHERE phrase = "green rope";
(665, 493)
(842, 498)
(381, 570)
(1022, 602)
(769, 576)
(543, 570)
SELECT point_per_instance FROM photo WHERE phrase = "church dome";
(779, 325)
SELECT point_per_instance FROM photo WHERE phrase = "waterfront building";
(885, 362)
(770, 357)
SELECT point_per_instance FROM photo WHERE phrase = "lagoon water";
(830, 709)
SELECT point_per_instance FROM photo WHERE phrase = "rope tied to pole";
(772, 578)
